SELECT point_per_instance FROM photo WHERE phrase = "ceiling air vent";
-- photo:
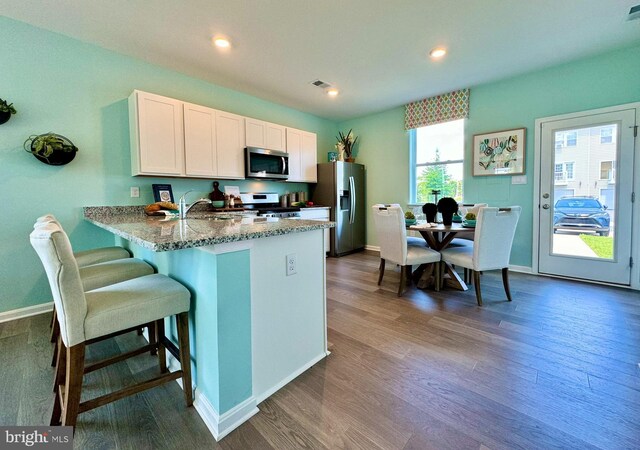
(634, 13)
(320, 84)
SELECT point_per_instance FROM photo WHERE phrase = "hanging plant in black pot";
(447, 206)
(6, 111)
(51, 148)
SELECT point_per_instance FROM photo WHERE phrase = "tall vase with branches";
(345, 145)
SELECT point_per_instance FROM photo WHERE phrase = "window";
(559, 140)
(559, 172)
(606, 135)
(563, 172)
(572, 138)
(437, 155)
(568, 170)
(606, 170)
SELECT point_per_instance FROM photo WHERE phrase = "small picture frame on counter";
(332, 156)
(162, 193)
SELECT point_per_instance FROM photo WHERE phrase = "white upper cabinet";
(302, 149)
(294, 147)
(200, 141)
(265, 134)
(230, 143)
(157, 136)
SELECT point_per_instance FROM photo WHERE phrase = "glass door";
(585, 197)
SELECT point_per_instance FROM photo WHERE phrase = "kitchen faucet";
(183, 208)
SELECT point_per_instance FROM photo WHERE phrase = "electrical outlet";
(520, 179)
(291, 264)
(135, 192)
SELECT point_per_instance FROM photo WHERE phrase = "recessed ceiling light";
(332, 92)
(438, 52)
(221, 42)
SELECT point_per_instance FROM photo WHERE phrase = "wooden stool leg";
(153, 337)
(60, 365)
(55, 329)
(56, 347)
(382, 263)
(476, 282)
(505, 282)
(73, 384)
(182, 320)
(403, 280)
(162, 352)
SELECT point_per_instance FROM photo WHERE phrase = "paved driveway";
(571, 244)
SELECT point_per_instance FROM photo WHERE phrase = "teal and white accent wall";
(79, 90)
(595, 82)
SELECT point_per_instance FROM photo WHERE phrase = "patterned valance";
(441, 108)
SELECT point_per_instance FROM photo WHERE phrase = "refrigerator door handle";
(352, 193)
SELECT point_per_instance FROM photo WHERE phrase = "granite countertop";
(199, 229)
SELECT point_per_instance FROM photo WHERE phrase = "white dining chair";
(392, 237)
(495, 229)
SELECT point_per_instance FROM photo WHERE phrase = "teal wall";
(605, 80)
(79, 90)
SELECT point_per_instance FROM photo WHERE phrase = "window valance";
(441, 108)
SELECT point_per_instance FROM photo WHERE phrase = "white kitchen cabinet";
(265, 134)
(321, 214)
(157, 135)
(230, 144)
(200, 141)
(302, 149)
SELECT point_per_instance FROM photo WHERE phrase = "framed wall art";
(499, 152)
(162, 193)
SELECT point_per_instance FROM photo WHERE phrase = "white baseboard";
(373, 248)
(29, 311)
(221, 425)
(286, 380)
(521, 269)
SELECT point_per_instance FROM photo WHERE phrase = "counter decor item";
(6, 110)
(345, 145)
(161, 209)
(332, 156)
(409, 218)
(51, 148)
(162, 193)
(447, 206)
(216, 196)
(499, 152)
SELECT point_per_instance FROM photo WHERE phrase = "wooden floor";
(555, 368)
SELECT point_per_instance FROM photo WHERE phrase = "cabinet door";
(309, 158)
(294, 145)
(158, 126)
(275, 137)
(255, 133)
(200, 141)
(230, 142)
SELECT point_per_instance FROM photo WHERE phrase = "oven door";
(263, 163)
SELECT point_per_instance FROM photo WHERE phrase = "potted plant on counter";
(51, 148)
(447, 206)
(6, 110)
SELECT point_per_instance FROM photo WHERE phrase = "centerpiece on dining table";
(447, 206)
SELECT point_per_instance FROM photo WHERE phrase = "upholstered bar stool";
(99, 274)
(87, 316)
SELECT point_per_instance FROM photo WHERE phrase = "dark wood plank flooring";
(556, 368)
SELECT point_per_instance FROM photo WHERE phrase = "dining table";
(438, 237)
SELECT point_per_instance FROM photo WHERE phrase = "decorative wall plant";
(6, 111)
(51, 148)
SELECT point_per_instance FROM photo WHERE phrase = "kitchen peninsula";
(255, 327)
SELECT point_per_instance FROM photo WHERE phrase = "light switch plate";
(291, 264)
(519, 179)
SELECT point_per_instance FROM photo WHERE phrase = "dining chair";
(85, 317)
(495, 229)
(392, 237)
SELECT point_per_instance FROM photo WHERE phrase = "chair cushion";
(460, 256)
(418, 241)
(99, 275)
(132, 303)
(100, 255)
(421, 255)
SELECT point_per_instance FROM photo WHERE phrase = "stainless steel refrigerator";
(341, 186)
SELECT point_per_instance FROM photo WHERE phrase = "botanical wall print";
(499, 152)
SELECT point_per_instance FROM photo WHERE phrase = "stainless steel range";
(267, 204)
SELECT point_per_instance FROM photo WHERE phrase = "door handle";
(545, 195)
(284, 166)
(545, 206)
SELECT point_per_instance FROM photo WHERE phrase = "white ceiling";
(374, 51)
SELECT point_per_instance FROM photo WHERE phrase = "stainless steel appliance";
(341, 186)
(266, 164)
(267, 204)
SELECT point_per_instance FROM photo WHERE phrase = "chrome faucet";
(183, 208)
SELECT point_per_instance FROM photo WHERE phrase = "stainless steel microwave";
(266, 164)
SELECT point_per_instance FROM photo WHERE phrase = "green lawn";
(601, 245)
